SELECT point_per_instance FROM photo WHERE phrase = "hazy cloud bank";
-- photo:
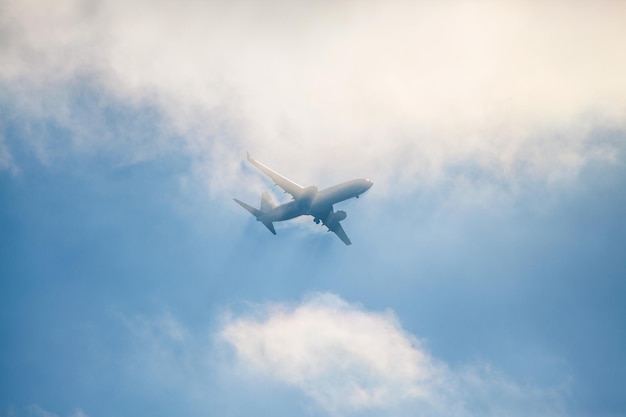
(403, 92)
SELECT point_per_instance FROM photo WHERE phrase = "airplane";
(306, 201)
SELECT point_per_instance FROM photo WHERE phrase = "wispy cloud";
(6, 159)
(350, 360)
(35, 410)
(403, 91)
(162, 350)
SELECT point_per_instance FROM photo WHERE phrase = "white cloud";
(351, 360)
(400, 91)
(340, 356)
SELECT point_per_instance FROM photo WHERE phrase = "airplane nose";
(368, 184)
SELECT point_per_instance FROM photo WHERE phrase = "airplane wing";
(341, 234)
(286, 184)
(332, 221)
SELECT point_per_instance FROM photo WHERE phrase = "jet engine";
(338, 216)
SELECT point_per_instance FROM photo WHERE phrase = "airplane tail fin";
(266, 202)
(258, 213)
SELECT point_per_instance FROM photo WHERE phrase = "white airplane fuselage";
(319, 201)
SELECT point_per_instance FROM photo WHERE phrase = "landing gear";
(316, 220)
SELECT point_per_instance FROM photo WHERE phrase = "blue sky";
(486, 275)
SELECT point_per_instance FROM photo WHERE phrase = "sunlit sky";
(487, 274)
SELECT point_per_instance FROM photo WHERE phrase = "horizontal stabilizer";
(257, 213)
(270, 226)
(252, 210)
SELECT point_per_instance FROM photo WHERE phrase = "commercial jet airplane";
(306, 201)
